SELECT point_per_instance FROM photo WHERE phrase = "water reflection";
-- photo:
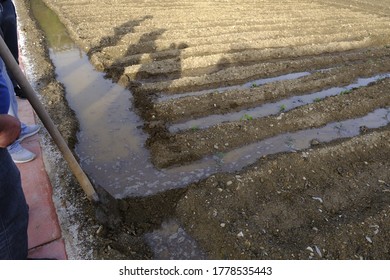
(171, 242)
(56, 35)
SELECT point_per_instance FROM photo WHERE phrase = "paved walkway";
(45, 239)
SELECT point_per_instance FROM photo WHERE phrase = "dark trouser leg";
(13, 211)
(10, 32)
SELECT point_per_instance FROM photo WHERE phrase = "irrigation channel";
(111, 142)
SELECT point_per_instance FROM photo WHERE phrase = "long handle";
(18, 75)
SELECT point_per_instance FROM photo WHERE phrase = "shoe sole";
(26, 160)
(28, 135)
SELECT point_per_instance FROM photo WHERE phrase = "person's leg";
(18, 153)
(13, 211)
(13, 106)
(9, 27)
(10, 34)
(1, 19)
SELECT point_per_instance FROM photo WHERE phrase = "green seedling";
(246, 117)
(194, 128)
(282, 108)
(254, 85)
(318, 99)
(345, 92)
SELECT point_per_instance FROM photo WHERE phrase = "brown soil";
(330, 201)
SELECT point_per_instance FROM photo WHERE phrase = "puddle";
(171, 242)
(272, 108)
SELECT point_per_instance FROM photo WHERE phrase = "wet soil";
(329, 201)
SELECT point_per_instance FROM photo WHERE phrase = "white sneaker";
(27, 131)
(20, 154)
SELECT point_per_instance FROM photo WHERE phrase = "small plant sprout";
(246, 117)
(318, 99)
(194, 128)
(254, 85)
(282, 108)
(345, 92)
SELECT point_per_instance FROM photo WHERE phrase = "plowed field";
(202, 72)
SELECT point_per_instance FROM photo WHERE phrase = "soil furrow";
(204, 64)
(192, 145)
(267, 23)
(221, 50)
(375, 7)
(252, 38)
(134, 34)
(261, 30)
(192, 107)
(240, 74)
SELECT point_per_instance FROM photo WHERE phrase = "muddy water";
(111, 141)
(101, 106)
